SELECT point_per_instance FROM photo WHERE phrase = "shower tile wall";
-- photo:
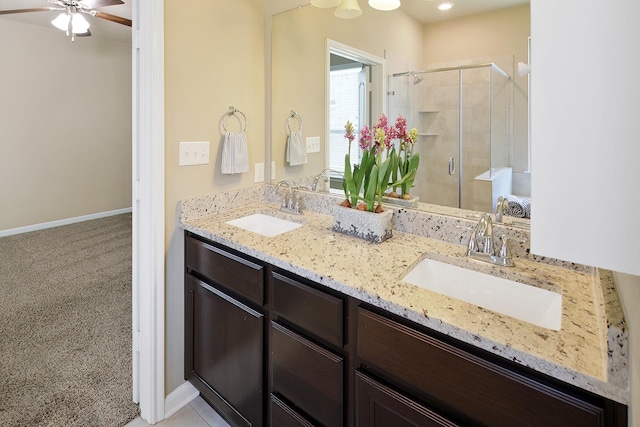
(437, 102)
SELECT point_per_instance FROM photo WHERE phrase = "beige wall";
(299, 68)
(488, 35)
(65, 125)
(214, 58)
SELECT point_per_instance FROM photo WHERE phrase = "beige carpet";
(65, 326)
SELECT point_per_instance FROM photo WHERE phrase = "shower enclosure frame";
(509, 134)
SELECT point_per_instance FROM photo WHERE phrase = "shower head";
(417, 79)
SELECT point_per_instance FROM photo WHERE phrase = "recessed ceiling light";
(445, 6)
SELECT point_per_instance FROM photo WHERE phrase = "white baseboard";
(67, 221)
(179, 398)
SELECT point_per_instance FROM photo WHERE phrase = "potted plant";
(364, 184)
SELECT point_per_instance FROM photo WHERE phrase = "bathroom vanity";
(311, 327)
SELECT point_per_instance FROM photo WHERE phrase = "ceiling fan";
(71, 18)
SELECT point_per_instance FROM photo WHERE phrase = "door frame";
(148, 204)
(378, 76)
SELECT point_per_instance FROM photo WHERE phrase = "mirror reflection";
(455, 81)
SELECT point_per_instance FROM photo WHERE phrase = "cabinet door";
(379, 406)
(224, 341)
(584, 130)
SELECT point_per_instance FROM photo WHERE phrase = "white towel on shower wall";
(235, 154)
(296, 151)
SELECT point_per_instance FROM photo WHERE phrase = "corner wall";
(629, 291)
(65, 125)
(214, 58)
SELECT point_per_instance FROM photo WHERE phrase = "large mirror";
(425, 58)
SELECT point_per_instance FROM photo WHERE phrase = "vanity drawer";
(284, 416)
(460, 383)
(307, 375)
(237, 273)
(379, 405)
(308, 308)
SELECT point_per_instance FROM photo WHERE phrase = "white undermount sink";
(265, 225)
(529, 303)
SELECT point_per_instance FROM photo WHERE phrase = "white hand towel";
(235, 154)
(296, 148)
(514, 206)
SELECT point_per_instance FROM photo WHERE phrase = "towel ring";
(295, 115)
(231, 112)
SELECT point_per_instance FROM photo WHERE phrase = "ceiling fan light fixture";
(325, 3)
(384, 4)
(61, 21)
(79, 24)
(348, 9)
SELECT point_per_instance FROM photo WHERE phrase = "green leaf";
(414, 161)
(346, 184)
(370, 190)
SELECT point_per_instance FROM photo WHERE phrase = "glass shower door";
(431, 103)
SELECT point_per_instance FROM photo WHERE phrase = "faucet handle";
(298, 203)
(471, 245)
(504, 249)
(501, 207)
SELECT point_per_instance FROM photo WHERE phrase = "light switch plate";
(194, 153)
(259, 172)
(313, 144)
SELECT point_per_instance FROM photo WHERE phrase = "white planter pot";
(410, 203)
(374, 227)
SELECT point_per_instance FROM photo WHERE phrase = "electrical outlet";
(194, 153)
(259, 172)
(273, 170)
(313, 144)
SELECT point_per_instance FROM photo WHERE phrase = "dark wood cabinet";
(308, 366)
(267, 347)
(224, 337)
(466, 387)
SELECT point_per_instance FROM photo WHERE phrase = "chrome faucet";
(291, 200)
(482, 238)
(501, 207)
(481, 246)
(326, 178)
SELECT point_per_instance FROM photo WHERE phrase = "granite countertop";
(589, 351)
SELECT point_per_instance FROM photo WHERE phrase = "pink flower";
(389, 133)
(365, 138)
(401, 127)
(349, 132)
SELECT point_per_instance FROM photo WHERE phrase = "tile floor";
(196, 414)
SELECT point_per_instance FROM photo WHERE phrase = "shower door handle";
(452, 165)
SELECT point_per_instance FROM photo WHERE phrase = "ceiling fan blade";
(113, 18)
(35, 9)
(92, 4)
